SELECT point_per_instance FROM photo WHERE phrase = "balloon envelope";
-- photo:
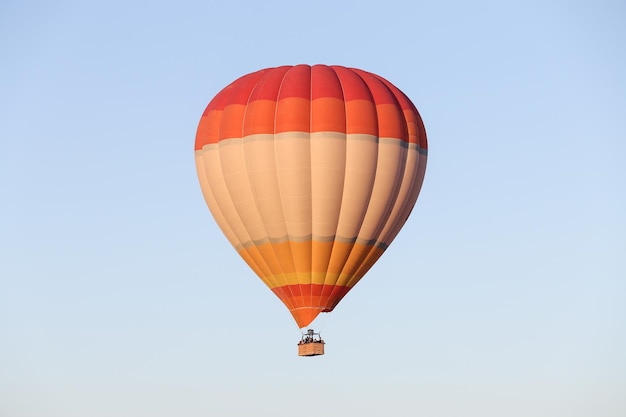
(310, 173)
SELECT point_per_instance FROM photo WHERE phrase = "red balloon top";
(311, 99)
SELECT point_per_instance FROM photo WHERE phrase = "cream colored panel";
(222, 207)
(293, 163)
(238, 185)
(389, 171)
(214, 207)
(361, 161)
(263, 176)
(411, 185)
(328, 165)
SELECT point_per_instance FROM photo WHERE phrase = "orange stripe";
(320, 255)
(302, 256)
(422, 137)
(208, 129)
(398, 117)
(290, 262)
(259, 117)
(232, 121)
(278, 256)
(391, 122)
(412, 126)
(366, 262)
(361, 117)
(340, 255)
(328, 115)
(353, 265)
(292, 115)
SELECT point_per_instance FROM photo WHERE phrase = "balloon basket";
(311, 344)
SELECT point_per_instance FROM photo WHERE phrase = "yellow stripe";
(310, 262)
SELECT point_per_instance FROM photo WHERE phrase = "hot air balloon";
(310, 173)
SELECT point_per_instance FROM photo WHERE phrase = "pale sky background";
(504, 295)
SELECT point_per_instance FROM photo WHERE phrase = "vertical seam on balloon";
(283, 288)
(336, 291)
(209, 190)
(255, 199)
(256, 265)
(414, 182)
(330, 255)
(310, 269)
(364, 267)
(253, 245)
(289, 287)
(227, 189)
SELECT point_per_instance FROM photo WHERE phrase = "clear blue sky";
(504, 295)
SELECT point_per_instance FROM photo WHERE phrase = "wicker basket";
(311, 349)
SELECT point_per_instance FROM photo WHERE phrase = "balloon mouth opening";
(305, 315)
